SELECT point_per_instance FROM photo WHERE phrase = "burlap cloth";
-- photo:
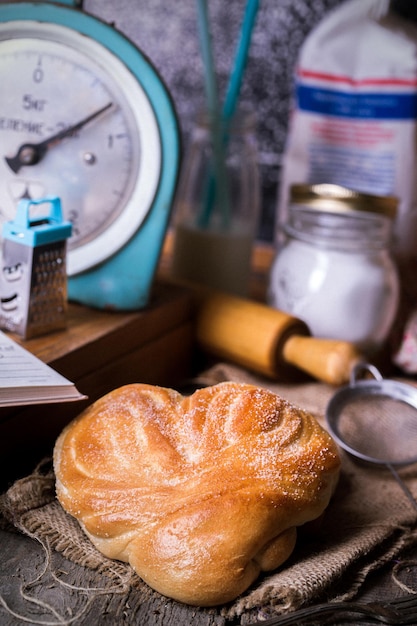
(368, 523)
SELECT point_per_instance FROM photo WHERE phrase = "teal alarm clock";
(85, 116)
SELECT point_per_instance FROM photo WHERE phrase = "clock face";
(75, 123)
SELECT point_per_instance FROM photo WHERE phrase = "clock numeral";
(74, 218)
(37, 75)
(112, 138)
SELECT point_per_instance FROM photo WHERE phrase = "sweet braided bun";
(199, 494)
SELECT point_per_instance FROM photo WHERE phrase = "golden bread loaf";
(199, 494)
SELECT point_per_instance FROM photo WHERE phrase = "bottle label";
(362, 106)
(355, 111)
(354, 137)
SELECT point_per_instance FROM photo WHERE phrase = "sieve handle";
(359, 368)
(402, 484)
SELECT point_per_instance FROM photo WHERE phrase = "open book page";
(25, 379)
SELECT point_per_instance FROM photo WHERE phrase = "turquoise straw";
(232, 94)
(241, 58)
(213, 109)
(207, 56)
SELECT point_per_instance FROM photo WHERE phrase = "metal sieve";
(375, 420)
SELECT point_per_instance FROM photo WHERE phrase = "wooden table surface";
(23, 559)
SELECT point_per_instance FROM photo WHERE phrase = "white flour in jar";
(340, 294)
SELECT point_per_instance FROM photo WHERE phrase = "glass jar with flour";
(334, 269)
(217, 204)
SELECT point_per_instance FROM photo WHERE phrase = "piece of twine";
(36, 493)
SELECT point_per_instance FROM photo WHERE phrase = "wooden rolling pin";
(268, 341)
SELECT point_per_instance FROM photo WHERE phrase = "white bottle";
(335, 270)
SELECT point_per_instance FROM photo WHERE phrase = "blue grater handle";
(40, 229)
(23, 211)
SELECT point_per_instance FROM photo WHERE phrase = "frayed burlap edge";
(368, 523)
(305, 583)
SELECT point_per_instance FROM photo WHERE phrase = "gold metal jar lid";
(337, 199)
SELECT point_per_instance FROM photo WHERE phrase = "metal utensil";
(375, 420)
(401, 611)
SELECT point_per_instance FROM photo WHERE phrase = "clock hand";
(32, 153)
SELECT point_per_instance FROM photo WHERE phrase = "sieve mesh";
(379, 427)
(376, 421)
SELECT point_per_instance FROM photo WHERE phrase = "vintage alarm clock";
(85, 116)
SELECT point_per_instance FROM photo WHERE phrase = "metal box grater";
(34, 279)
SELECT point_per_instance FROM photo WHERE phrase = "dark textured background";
(166, 31)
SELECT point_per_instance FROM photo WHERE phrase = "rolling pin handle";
(326, 359)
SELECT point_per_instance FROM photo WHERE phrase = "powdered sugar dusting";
(169, 472)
